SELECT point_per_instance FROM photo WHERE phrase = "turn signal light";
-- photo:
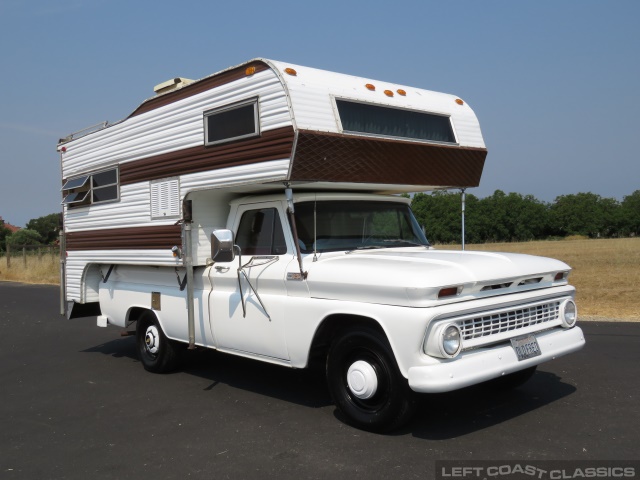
(459, 102)
(370, 87)
(388, 93)
(250, 70)
(449, 292)
(561, 276)
(401, 92)
(290, 71)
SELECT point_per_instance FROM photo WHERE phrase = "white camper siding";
(176, 126)
(263, 172)
(132, 210)
(78, 261)
(311, 92)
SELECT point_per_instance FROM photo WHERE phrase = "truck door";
(247, 307)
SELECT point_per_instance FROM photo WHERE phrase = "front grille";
(505, 321)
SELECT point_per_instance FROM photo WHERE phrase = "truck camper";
(257, 212)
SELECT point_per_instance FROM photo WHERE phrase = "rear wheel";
(365, 382)
(156, 352)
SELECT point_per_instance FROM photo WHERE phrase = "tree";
(46, 226)
(4, 233)
(24, 237)
(439, 213)
(630, 213)
(513, 217)
(585, 214)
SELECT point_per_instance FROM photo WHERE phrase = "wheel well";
(330, 328)
(135, 313)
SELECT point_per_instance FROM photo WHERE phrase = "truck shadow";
(438, 417)
(454, 414)
(303, 387)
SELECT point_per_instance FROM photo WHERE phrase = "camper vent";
(171, 85)
(165, 198)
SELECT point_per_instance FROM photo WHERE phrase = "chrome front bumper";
(477, 366)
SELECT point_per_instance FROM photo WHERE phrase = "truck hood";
(414, 276)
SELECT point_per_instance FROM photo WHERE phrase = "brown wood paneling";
(326, 157)
(271, 145)
(199, 87)
(133, 238)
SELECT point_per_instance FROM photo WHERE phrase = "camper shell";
(159, 156)
(160, 211)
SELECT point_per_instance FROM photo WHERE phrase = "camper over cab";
(255, 212)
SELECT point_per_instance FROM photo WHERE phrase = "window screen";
(394, 122)
(260, 233)
(231, 123)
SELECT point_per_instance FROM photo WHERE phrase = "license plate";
(526, 347)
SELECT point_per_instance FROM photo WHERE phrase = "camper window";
(95, 188)
(232, 122)
(394, 122)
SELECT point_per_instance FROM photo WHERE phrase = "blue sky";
(555, 84)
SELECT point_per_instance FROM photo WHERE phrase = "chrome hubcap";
(152, 339)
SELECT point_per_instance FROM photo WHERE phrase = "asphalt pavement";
(75, 403)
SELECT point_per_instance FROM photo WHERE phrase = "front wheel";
(365, 382)
(156, 352)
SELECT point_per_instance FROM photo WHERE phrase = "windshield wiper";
(389, 240)
(400, 240)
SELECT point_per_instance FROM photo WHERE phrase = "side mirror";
(222, 246)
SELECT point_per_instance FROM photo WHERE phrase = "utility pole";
(464, 197)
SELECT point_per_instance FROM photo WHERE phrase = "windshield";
(350, 225)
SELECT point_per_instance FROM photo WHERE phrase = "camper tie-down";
(256, 212)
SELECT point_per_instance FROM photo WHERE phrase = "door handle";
(222, 269)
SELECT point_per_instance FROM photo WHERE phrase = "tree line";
(513, 217)
(38, 231)
(501, 217)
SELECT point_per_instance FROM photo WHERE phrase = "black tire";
(393, 402)
(512, 380)
(157, 353)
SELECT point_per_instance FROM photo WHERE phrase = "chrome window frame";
(255, 101)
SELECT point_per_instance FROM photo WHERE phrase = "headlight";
(450, 343)
(569, 314)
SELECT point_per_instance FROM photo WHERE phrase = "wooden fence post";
(8, 256)
(24, 256)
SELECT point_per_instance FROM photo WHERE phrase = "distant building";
(13, 228)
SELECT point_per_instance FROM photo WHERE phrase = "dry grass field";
(43, 268)
(606, 273)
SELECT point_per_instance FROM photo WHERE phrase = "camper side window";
(232, 122)
(98, 187)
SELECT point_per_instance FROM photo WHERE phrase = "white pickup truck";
(389, 314)
(256, 212)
